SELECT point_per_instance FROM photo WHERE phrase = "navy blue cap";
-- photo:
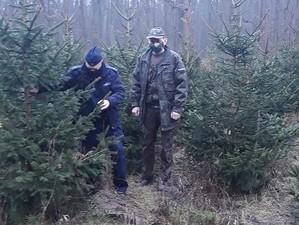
(93, 56)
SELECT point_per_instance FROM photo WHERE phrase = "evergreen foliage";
(234, 117)
(287, 61)
(39, 134)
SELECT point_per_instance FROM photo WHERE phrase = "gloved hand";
(175, 115)
(136, 111)
(104, 104)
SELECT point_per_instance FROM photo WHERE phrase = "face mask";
(156, 47)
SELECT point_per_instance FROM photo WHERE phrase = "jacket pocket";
(168, 78)
(169, 88)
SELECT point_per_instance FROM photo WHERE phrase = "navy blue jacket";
(79, 77)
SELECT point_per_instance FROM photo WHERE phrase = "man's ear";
(164, 40)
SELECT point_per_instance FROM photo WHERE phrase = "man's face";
(95, 67)
(154, 40)
(162, 40)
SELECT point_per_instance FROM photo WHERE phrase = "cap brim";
(152, 36)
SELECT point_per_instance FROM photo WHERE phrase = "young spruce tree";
(231, 119)
(39, 134)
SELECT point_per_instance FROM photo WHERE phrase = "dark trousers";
(151, 126)
(117, 149)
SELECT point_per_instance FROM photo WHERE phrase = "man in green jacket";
(158, 93)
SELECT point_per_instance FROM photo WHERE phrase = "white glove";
(136, 111)
(175, 115)
(104, 104)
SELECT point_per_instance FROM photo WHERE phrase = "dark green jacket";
(172, 86)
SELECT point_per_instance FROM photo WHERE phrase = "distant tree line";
(186, 22)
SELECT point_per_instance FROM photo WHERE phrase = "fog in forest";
(186, 22)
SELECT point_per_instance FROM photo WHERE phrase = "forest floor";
(195, 198)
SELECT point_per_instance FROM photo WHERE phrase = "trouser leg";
(91, 140)
(117, 151)
(119, 167)
(167, 138)
(150, 128)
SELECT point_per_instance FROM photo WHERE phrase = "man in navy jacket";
(108, 82)
(108, 94)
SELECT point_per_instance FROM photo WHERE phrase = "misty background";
(186, 22)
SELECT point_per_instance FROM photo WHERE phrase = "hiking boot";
(162, 185)
(143, 183)
(121, 191)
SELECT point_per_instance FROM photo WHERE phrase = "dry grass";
(195, 197)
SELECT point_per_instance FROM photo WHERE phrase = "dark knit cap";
(93, 56)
